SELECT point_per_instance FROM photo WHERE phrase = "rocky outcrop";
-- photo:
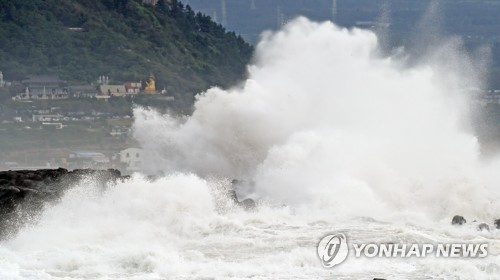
(247, 204)
(24, 192)
(483, 226)
(458, 220)
(497, 224)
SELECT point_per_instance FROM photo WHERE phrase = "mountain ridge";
(125, 39)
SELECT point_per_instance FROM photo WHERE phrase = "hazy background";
(476, 21)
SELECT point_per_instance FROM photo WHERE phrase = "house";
(86, 159)
(76, 29)
(49, 81)
(55, 125)
(118, 131)
(47, 118)
(130, 155)
(82, 91)
(45, 87)
(40, 112)
(133, 87)
(131, 158)
(22, 96)
(112, 90)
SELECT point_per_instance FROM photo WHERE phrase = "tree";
(186, 51)
(162, 6)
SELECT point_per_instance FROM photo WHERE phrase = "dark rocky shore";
(460, 220)
(24, 192)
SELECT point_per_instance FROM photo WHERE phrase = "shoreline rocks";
(24, 192)
(458, 220)
(483, 226)
(248, 203)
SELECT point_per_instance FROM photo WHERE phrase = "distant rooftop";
(86, 153)
(82, 89)
(43, 79)
(112, 89)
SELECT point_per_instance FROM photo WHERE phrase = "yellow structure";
(150, 84)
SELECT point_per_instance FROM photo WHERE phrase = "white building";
(112, 90)
(2, 82)
(133, 87)
(47, 118)
(131, 158)
(87, 159)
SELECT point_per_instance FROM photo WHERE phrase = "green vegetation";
(124, 39)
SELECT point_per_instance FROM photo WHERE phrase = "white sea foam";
(325, 120)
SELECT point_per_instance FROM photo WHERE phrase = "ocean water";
(328, 134)
(183, 227)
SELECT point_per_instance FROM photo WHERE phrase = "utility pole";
(334, 10)
(224, 13)
(252, 5)
(280, 17)
(214, 16)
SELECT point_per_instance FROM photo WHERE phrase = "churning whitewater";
(327, 134)
(325, 121)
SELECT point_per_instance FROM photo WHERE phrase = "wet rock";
(28, 190)
(34, 177)
(458, 220)
(9, 189)
(497, 223)
(125, 178)
(27, 183)
(232, 195)
(114, 173)
(9, 194)
(8, 175)
(23, 193)
(247, 204)
(483, 226)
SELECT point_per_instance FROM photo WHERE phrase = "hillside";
(80, 40)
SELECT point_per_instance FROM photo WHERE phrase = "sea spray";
(324, 120)
(134, 226)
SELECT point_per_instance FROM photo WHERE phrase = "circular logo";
(333, 249)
